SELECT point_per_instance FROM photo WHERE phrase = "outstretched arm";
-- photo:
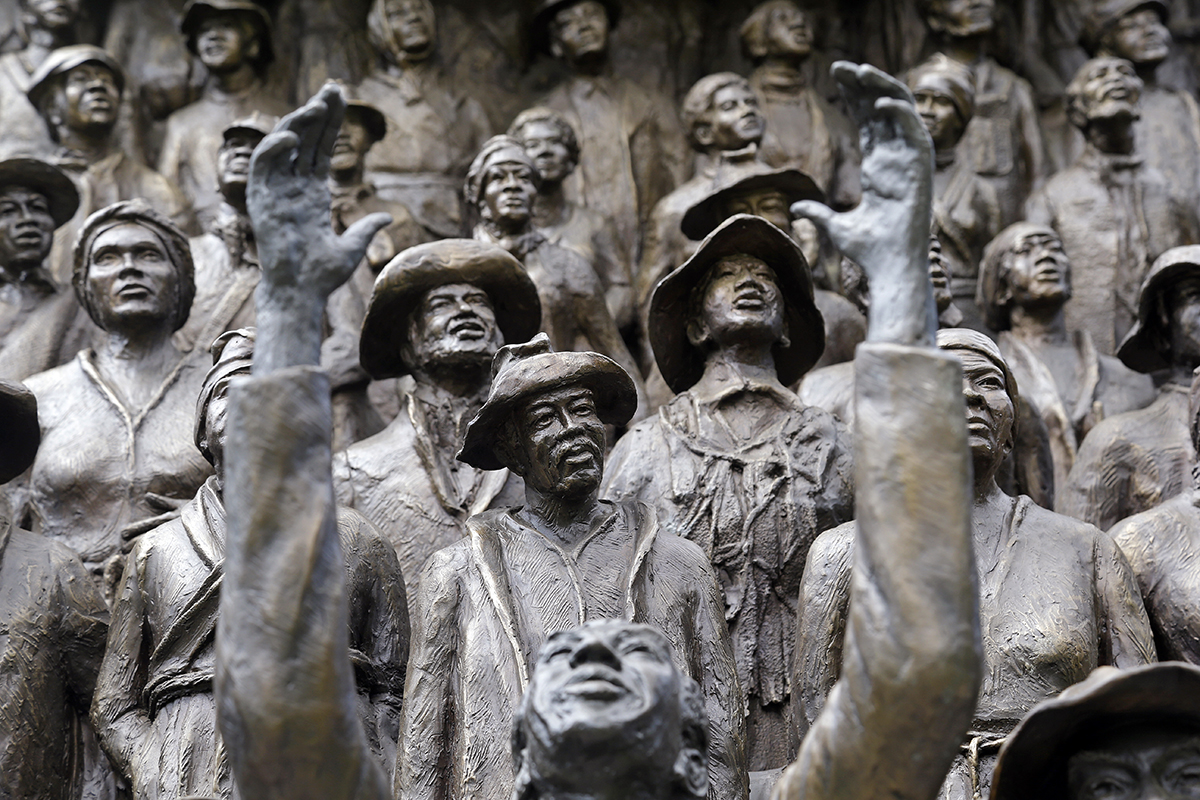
(284, 683)
(911, 667)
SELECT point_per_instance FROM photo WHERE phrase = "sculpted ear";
(697, 332)
(691, 768)
(703, 134)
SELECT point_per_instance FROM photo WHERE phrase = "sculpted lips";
(467, 327)
(750, 300)
(598, 683)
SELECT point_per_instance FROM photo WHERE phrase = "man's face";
(1111, 89)
(742, 302)
(91, 98)
(563, 439)
(1140, 37)
(940, 116)
(770, 204)
(215, 417)
(130, 276)
(1142, 763)
(989, 408)
(508, 192)
(1039, 272)
(233, 160)
(580, 30)
(412, 25)
(735, 120)
(962, 17)
(26, 228)
(453, 323)
(939, 275)
(53, 15)
(225, 42)
(351, 146)
(789, 34)
(544, 144)
(1184, 320)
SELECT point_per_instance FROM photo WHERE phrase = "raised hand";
(303, 259)
(887, 234)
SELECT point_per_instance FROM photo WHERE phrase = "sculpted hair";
(698, 103)
(552, 118)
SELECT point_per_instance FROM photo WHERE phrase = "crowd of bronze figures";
(570, 353)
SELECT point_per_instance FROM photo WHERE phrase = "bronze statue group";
(803, 433)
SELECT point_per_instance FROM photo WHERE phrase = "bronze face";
(939, 275)
(770, 204)
(580, 31)
(940, 116)
(990, 410)
(789, 33)
(412, 23)
(741, 303)
(26, 228)
(1184, 320)
(1111, 88)
(962, 17)
(1142, 761)
(563, 442)
(734, 120)
(1140, 37)
(226, 41)
(91, 97)
(351, 146)
(508, 193)
(53, 14)
(544, 144)
(233, 160)
(1039, 271)
(453, 323)
(130, 278)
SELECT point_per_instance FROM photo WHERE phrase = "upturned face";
(735, 120)
(1039, 271)
(580, 30)
(741, 302)
(789, 33)
(26, 228)
(130, 277)
(940, 115)
(563, 440)
(1141, 763)
(1184, 320)
(412, 25)
(54, 15)
(939, 275)
(215, 418)
(508, 192)
(91, 98)
(454, 323)
(990, 410)
(351, 146)
(544, 144)
(963, 17)
(770, 204)
(1140, 37)
(225, 42)
(1111, 88)
(233, 160)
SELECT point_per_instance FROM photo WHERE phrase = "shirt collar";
(722, 379)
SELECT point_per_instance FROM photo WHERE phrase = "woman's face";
(130, 278)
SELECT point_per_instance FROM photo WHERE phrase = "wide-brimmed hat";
(46, 179)
(681, 362)
(19, 431)
(232, 354)
(522, 370)
(542, 17)
(257, 124)
(1145, 348)
(1033, 762)
(706, 214)
(1107, 13)
(369, 117)
(407, 277)
(65, 59)
(197, 11)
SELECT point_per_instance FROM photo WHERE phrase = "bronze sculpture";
(434, 129)
(1057, 597)
(154, 707)
(734, 462)
(439, 313)
(41, 28)
(804, 130)
(501, 185)
(54, 622)
(1134, 461)
(232, 39)
(116, 459)
(1114, 212)
(553, 145)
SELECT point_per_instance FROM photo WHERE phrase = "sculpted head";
(945, 93)
(578, 31)
(1167, 331)
(958, 18)
(1025, 266)
(35, 199)
(777, 29)
(78, 89)
(502, 183)
(133, 268)
(51, 15)
(363, 126)
(939, 274)
(233, 157)
(1103, 89)
(403, 30)
(606, 706)
(548, 139)
(737, 301)
(228, 35)
(1135, 30)
(990, 392)
(452, 325)
(721, 112)
(232, 355)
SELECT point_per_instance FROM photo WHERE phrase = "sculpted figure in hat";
(1114, 212)
(553, 145)
(1024, 283)
(1168, 131)
(501, 186)
(55, 622)
(434, 129)
(1056, 596)
(38, 322)
(1131, 462)
(232, 39)
(804, 130)
(78, 91)
(41, 27)
(632, 153)
(1161, 545)
(439, 313)
(116, 459)
(154, 704)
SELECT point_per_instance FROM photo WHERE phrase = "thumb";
(359, 235)
(821, 214)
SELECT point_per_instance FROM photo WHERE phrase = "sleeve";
(1098, 485)
(282, 646)
(1126, 639)
(912, 665)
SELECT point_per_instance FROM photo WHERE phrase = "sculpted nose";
(595, 651)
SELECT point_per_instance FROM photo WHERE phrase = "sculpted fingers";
(335, 104)
(903, 115)
(273, 156)
(358, 236)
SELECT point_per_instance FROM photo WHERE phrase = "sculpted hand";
(887, 234)
(303, 260)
